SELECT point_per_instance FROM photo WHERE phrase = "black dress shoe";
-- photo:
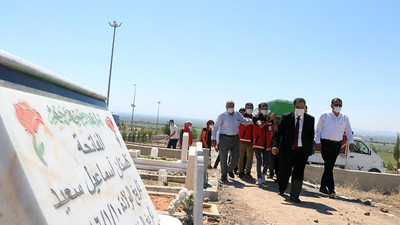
(281, 193)
(295, 199)
(223, 179)
(231, 175)
(248, 175)
(240, 175)
(324, 190)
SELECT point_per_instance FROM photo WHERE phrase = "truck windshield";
(360, 147)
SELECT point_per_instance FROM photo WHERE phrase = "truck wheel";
(374, 170)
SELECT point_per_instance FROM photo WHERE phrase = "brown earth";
(241, 201)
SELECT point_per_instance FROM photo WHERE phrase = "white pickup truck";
(362, 158)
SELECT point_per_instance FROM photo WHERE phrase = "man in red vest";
(262, 136)
(246, 145)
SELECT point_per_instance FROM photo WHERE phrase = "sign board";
(63, 161)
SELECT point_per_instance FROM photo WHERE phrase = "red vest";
(246, 132)
(262, 137)
(208, 130)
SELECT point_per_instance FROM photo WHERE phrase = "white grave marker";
(62, 159)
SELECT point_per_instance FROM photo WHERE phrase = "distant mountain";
(387, 136)
(162, 120)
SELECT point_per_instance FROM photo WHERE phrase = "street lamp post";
(158, 113)
(133, 106)
(115, 26)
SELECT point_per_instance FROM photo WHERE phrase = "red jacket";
(246, 132)
(262, 137)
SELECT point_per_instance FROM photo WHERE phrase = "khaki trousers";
(245, 147)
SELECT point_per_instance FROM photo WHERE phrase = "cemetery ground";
(241, 201)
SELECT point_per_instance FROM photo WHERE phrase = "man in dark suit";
(293, 139)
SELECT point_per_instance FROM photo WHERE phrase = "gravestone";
(62, 158)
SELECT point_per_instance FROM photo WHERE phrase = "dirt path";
(241, 201)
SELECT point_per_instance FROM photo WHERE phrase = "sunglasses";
(340, 105)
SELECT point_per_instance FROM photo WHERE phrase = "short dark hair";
(336, 99)
(171, 121)
(210, 122)
(262, 104)
(296, 100)
(242, 110)
(249, 104)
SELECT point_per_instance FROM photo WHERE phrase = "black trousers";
(329, 151)
(274, 165)
(172, 143)
(291, 162)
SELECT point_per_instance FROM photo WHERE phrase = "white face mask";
(249, 111)
(337, 109)
(230, 110)
(211, 126)
(299, 112)
(190, 127)
(264, 112)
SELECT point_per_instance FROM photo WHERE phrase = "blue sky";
(194, 55)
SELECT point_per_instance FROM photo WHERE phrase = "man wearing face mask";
(328, 138)
(262, 132)
(227, 124)
(246, 143)
(293, 139)
(173, 137)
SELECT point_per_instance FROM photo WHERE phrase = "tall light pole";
(115, 25)
(158, 113)
(133, 106)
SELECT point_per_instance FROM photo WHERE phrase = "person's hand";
(274, 150)
(351, 147)
(214, 143)
(273, 116)
(167, 138)
(258, 123)
(318, 147)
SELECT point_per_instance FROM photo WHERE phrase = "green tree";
(195, 135)
(130, 137)
(150, 133)
(165, 128)
(124, 136)
(396, 153)
(133, 136)
(122, 126)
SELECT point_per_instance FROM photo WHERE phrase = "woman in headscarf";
(186, 128)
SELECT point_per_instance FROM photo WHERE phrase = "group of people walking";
(287, 144)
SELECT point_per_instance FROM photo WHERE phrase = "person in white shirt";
(332, 125)
(227, 124)
(173, 137)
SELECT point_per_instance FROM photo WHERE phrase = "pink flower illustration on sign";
(30, 119)
(111, 126)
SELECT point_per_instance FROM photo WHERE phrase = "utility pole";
(158, 113)
(133, 107)
(115, 26)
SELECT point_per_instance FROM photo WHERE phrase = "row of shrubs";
(141, 136)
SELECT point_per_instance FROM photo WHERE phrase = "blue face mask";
(171, 124)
